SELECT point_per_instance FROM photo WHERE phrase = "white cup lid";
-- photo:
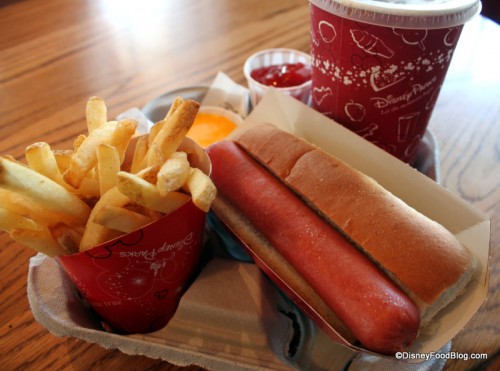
(412, 14)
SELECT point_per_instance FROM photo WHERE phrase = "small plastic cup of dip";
(286, 70)
(213, 123)
(378, 65)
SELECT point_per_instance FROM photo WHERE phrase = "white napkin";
(144, 125)
(225, 93)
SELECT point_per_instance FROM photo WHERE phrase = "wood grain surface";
(55, 54)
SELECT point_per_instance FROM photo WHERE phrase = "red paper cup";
(378, 66)
(134, 282)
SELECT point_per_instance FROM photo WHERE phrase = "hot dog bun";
(374, 309)
(429, 264)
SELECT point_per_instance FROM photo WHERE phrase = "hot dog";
(375, 310)
(426, 261)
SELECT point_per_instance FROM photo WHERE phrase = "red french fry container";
(134, 282)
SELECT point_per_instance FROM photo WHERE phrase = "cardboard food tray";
(231, 318)
(468, 224)
(315, 351)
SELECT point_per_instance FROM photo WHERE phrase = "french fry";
(121, 136)
(63, 158)
(139, 156)
(201, 188)
(155, 215)
(173, 107)
(68, 238)
(153, 132)
(96, 113)
(65, 201)
(46, 192)
(121, 219)
(146, 194)
(157, 127)
(172, 132)
(173, 173)
(108, 165)
(10, 220)
(85, 157)
(78, 141)
(95, 233)
(41, 159)
(24, 206)
(149, 174)
(37, 239)
(90, 188)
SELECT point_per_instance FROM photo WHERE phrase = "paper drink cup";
(134, 282)
(378, 65)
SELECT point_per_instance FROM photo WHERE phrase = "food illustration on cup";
(371, 43)
(412, 37)
(327, 31)
(321, 93)
(367, 131)
(355, 111)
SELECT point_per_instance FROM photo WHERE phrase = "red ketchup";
(283, 75)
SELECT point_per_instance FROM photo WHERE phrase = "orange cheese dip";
(209, 128)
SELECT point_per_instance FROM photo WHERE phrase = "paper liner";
(468, 224)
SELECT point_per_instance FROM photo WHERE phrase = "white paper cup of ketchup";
(286, 70)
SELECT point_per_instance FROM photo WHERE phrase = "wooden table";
(54, 54)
